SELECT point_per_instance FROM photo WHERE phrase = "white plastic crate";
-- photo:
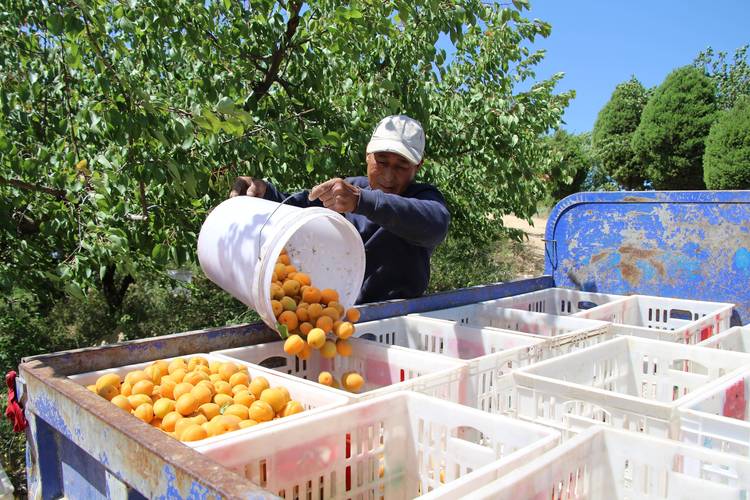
(628, 382)
(719, 418)
(735, 339)
(385, 369)
(608, 463)
(489, 353)
(563, 334)
(312, 399)
(398, 446)
(559, 301)
(661, 318)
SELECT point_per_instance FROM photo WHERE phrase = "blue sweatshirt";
(399, 232)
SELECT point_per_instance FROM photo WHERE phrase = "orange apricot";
(328, 295)
(311, 295)
(352, 315)
(289, 318)
(324, 323)
(293, 345)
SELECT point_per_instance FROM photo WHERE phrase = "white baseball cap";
(398, 134)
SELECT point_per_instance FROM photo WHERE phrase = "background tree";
(121, 127)
(732, 79)
(670, 139)
(571, 162)
(613, 133)
(726, 162)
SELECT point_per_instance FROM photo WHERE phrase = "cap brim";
(391, 146)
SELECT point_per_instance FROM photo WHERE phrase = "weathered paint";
(693, 245)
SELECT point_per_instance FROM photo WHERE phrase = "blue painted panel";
(50, 474)
(684, 244)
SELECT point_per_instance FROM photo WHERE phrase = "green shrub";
(613, 132)
(726, 162)
(670, 139)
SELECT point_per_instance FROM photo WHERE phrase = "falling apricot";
(291, 287)
(343, 347)
(352, 315)
(294, 345)
(305, 352)
(345, 330)
(316, 338)
(352, 381)
(339, 308)
(302, 314)
(324, 323)
(328, 350)
(311, 295)
(325, 378)
(289, 318)
(304, 328)
(328, 295)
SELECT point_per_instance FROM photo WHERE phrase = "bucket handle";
(260, 232)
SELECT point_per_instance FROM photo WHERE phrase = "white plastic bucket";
(242, 237)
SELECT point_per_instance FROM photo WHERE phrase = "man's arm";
(297, 199)
(421, 221)
(247, 186)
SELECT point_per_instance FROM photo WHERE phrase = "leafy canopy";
(669, 141)
(726, 162)
(571, 153)
(123, 123)
(613, 133)
(732, 78)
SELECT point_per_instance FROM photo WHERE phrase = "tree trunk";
(114, 293)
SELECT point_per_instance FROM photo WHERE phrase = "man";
(401, 222)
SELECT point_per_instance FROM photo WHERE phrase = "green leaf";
(73, 289)
(225, 105)
(189, 179)
(283, 330)
(56, 24)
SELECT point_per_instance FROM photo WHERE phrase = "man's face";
(390, 172)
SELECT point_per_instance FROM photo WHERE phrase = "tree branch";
(261, 88)
(26, 186)
(144, 205)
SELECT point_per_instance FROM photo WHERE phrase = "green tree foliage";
(120, 127)
(670, 139)
(726, 162)
(571, 155)
(613, 133)
(732, 78)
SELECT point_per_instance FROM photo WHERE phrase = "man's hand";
(247, 186)
(336, 194)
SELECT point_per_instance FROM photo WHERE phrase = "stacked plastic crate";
(502, 382)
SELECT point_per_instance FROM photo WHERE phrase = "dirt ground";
(531, 251)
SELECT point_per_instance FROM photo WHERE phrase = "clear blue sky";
(600, 43)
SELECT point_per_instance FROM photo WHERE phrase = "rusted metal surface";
(693, 245)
